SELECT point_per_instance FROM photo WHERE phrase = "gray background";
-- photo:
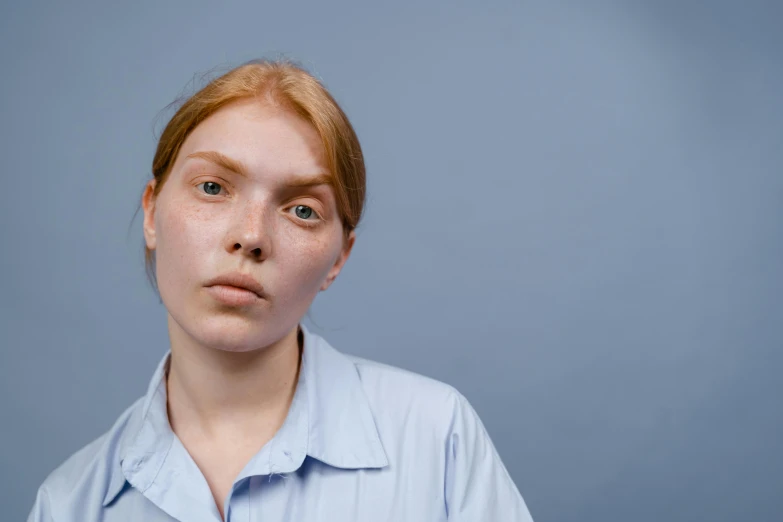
(574, 217)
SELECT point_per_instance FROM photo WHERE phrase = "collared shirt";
(362, 441)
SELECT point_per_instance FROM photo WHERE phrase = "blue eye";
(211, 188)
(303, 211)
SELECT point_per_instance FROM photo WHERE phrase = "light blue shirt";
(362, 441)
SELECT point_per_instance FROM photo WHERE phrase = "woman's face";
(246, 195)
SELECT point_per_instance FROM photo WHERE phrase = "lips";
(239, 280)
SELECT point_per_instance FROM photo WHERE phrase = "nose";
(250, 234)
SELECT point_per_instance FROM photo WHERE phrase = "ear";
(341, 259)
(148, 200)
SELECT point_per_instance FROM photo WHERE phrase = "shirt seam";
(160, 466)
(49, 502)
(166, 452)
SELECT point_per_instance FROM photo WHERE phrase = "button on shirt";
(362, 441)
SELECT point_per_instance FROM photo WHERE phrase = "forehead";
(266, 140)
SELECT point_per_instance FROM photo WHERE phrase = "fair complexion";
(246, 194)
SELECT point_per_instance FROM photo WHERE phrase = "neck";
(219, 393)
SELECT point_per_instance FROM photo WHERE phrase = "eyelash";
(306, 222)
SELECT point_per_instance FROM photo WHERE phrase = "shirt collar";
(330, 420)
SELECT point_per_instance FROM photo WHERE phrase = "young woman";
(258, 186)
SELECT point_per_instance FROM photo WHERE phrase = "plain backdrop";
(574, 217)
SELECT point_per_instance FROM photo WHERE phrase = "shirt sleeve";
(478, 487)
(41, 511)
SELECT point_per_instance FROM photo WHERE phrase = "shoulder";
(378, 377)
(89, 470)
(400, 395)
(432, 435)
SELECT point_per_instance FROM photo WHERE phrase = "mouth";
(236, 289)
(233, 295)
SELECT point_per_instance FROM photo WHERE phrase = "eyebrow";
(233, 165)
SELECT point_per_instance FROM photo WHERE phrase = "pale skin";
(234, 368)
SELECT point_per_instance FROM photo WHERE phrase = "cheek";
(186, 225)
(306, 261)
(183, 234)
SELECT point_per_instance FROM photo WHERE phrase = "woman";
(258, 186)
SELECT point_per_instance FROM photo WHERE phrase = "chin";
(227, 330)
(221, 332)
(233, 348)
(234, 334)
